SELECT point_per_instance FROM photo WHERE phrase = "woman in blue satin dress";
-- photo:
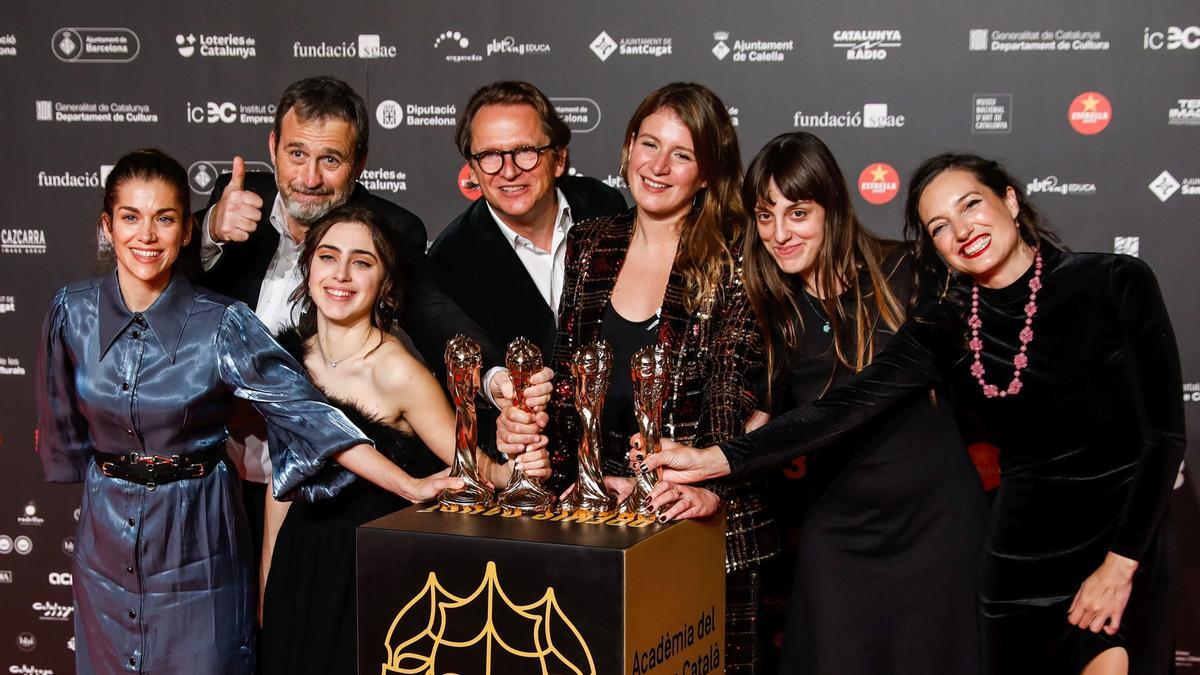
(137, 371)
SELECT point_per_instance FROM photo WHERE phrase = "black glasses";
(525, 157)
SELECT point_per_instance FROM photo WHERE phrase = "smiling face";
(315, 166)
(147, 227)
(345, 275)
(522, 198)
(662, 171)
(792, 232)
(973, 229)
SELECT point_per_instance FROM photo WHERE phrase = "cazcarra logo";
(367, 47)
(53, 611)
(60, 578)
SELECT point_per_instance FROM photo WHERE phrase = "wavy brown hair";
(386, 312)
(849, 261)
(717, 216)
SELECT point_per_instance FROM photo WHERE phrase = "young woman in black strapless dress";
(351, 298)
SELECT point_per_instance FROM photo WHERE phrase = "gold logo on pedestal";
(418, 654)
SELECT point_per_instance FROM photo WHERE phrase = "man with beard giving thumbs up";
(252, 232)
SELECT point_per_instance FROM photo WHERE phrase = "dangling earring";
(946, 286)
(698, 200)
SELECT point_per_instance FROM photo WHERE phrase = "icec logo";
(212, 113)
(1175, 37)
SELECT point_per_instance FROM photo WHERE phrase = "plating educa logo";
(433, 610)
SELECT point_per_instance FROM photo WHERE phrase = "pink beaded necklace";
(1026, 335)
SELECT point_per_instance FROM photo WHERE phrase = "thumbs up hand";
(235, 216)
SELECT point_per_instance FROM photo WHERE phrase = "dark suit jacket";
(478, 269)
(239, 271)
(480, 272)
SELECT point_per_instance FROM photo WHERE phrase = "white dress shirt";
(545, 268)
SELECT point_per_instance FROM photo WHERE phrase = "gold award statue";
(524, 493)
(463, 358)
(591, 368)
(649, 366)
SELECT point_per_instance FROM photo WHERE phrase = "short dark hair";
(512, 92)
(148, 164)
(321, 97)
(388, 306)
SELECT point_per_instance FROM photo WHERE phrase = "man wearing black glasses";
(501, 260)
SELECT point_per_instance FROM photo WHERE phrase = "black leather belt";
(155, 470)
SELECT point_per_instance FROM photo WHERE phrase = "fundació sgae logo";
(468, 188)
(878, 183)
(1089, 113)
(436, 622)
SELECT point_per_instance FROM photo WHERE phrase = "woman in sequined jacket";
(683, 166)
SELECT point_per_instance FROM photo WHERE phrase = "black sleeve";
(432, 317)
(909, 363)
(1151, 345)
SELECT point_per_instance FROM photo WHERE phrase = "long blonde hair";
(717, 216)
(802, 168)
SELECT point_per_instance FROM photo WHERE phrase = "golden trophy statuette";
(591, 368)
(463, 358)
(524, 493)
(650, 379)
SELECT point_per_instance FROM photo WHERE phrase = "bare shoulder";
(397, 374)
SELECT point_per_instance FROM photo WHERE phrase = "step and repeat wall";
(1095, 105)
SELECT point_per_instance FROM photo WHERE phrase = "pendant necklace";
(821, 315)
(333, 363)
(1026, 336)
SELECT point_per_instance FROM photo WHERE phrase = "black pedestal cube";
(483, 592)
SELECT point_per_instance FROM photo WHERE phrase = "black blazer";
(480, 272)
(473, 264)
(240, 270)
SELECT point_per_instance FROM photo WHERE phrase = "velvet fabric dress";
(888, 541)
(162, 581)
(1089, 449)
(310, 610)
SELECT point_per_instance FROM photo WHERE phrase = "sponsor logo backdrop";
(1097, 109)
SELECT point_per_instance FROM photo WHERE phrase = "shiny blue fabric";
(162, 581)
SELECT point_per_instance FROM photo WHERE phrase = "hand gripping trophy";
(463, 358)
(591, 368)
(650, 381)
(524, 493)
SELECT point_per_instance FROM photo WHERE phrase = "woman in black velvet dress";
(889, 537)
(1068, 362)
(351, 298)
